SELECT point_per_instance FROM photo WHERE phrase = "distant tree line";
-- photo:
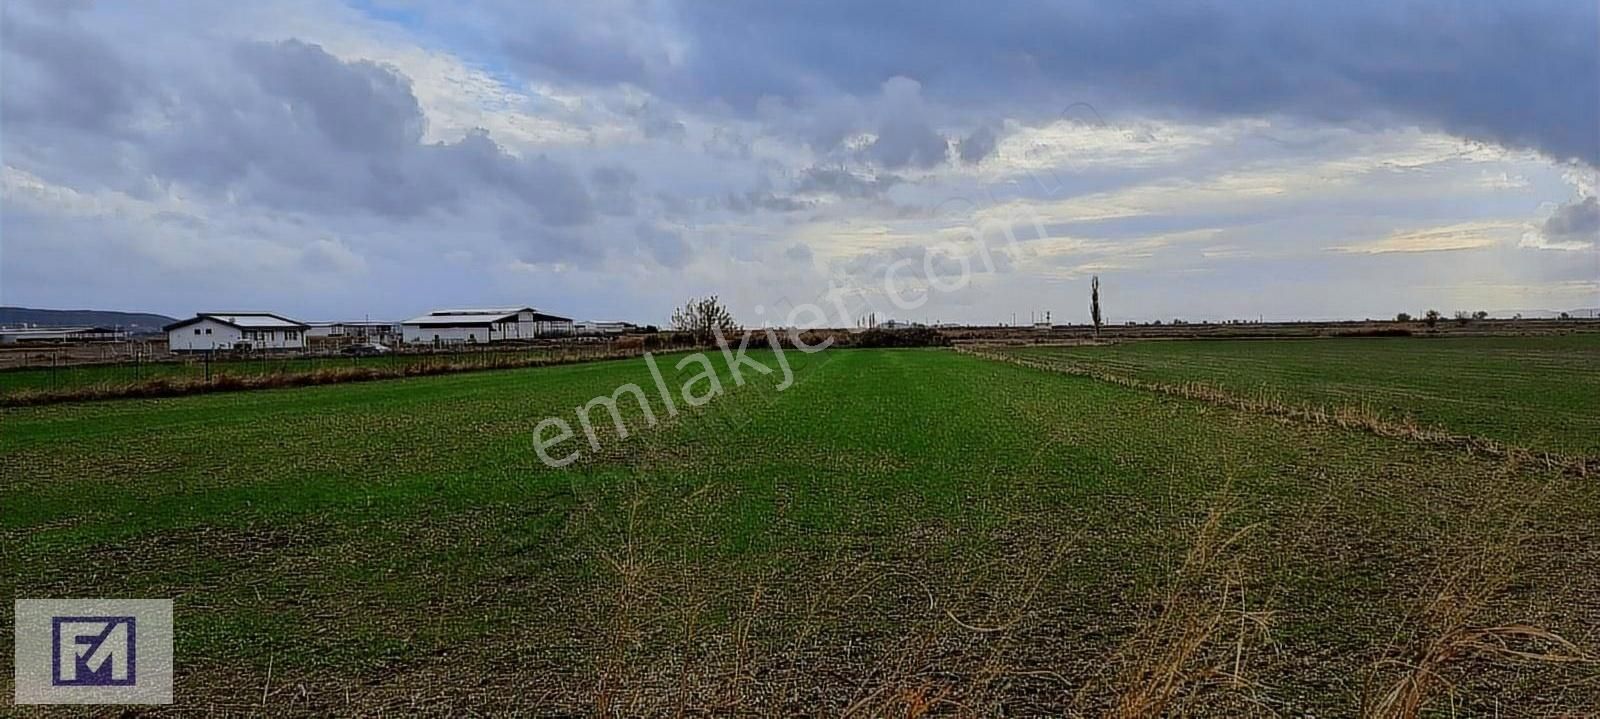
(1431, 317)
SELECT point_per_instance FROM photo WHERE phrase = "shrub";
(911, 337)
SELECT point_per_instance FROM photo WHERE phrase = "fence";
(62, 377)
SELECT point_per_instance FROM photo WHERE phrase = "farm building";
(359, 331)
(209, 331)
(601, 327)
(477, 326)
(26, 335)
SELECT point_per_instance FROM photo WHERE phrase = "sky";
(938, 161)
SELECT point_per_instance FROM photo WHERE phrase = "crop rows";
(899, 532)
(195, 375)
(1539, 393)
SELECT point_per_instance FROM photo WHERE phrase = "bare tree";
(1431, 318)
(1094, 303)
(704, 318)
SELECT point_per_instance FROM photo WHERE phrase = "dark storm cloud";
(844, 183)
(911, 261)
(798, 252)
(357, 106)
(55, 73)
(664, 246)
(1578, 220)
(284, 125)
(1520, 74)
(613, 189)
(324, 133)
(542, 244)
(908, 142)
(599, 41)
(754, 200)
(978, 145)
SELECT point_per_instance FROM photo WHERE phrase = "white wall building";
(480, 326)
(14, 335)
(210, 331)
(360, 331)
(603, 327)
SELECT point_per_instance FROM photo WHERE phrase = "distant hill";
(135, 322)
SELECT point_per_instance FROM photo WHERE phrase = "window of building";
(197, 330)
(208, 330)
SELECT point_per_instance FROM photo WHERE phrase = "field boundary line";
(1346, 417)
(161, 387)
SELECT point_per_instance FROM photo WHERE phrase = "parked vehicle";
(370, 349)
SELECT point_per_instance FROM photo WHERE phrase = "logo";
(93, 651)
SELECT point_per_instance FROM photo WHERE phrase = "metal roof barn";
(473, 326)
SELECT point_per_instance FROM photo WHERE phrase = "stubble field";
(901, 532)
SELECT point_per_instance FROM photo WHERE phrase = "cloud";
(903, 135)
(1573, 226)
(665, 246)
(798, 252)
(602, 42)
(754, 200)
(293, 128)
(613, 189)
(1580, 218)
(360, 107)
(1514, 74)
(525, 150)
(333, 256)
(1451, 238)
(978, 145)
(844, 183)
(907, 142)
(54, 73)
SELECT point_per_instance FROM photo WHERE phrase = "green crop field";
(1541, 393)
(68, 377)
(899, 532)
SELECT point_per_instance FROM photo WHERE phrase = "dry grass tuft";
(1446, 640)
(1421, 679)
(1201, 631)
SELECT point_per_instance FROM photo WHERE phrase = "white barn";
(362, 330)
(479, 326)
(604, 327)
(210, 331)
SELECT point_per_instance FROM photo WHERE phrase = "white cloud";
(1450, 238)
